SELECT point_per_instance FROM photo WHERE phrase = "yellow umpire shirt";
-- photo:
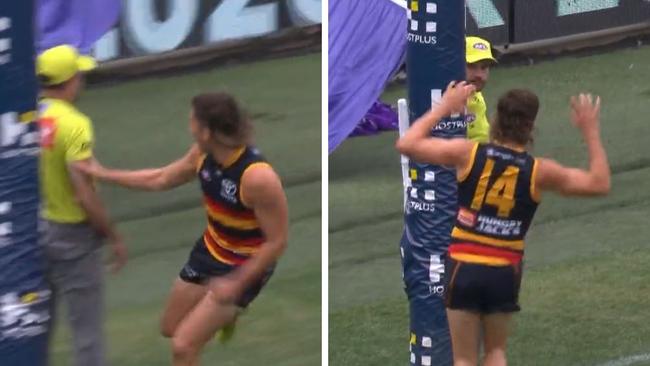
(478, 127)
(66, 136)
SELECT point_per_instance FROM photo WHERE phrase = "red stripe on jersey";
(511, 256)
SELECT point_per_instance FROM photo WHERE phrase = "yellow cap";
(59, 64)
(477, 49)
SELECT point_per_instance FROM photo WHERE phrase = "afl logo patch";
(228, 190)
(480, 46)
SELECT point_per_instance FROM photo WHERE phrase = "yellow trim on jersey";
(233, 248)
(518, 149)
(241, 186)
(236, 223)
(230, 161)
(535, 194)
(468, 168)
(480, 259)
(216, 255)
(200, 162)
(233, 158)
(465, 235)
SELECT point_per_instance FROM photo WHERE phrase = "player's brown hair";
(515, 118)
(221, 114)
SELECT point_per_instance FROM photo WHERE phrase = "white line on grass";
(627, 361)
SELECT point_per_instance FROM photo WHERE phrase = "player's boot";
(226, 333)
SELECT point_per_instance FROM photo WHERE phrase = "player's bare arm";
(167, 177)
(262, 191)
(92, 204)
(585, 114)
(417, 142)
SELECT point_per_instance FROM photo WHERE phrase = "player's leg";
(495, 336)
(83, 293)
(182, 299)
(75, 269)
(501, 303)
(198, 327)
(188, 289)
(465, 328)
(465, 285)
(208, 317)
(192, 315)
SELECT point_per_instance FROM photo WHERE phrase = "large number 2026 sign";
(153, 26)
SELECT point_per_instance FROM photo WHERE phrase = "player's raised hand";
(455, 97)
(585, 112)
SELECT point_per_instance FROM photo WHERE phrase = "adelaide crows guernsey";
(233, 234)
(497, 200)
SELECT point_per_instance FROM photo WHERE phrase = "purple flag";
(380, 117)
(367, 43)
(79, 23)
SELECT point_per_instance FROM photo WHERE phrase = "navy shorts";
(201, 266)
(482, 289)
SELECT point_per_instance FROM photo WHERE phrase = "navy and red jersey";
(497, 200)
(233, 234)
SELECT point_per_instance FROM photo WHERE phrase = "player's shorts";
(482, 289)
(201, 266)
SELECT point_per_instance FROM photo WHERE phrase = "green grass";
(144, 123)
(585, 293)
